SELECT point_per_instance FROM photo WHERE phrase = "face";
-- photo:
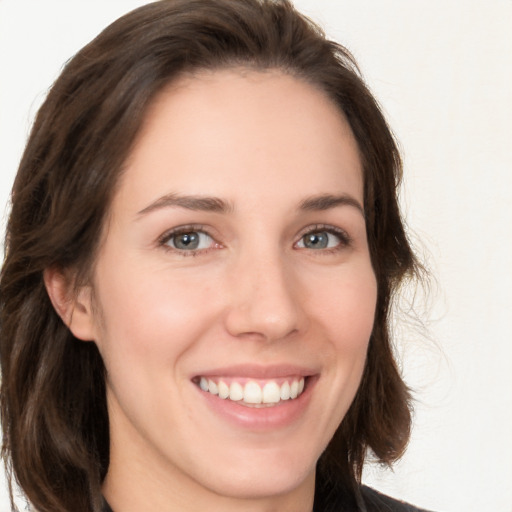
(233, 289)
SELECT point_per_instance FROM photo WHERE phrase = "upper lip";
(253, 371)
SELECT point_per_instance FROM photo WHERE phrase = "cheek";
(151, 314)
(346, 304)
(344, 307)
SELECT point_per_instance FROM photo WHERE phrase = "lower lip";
(277, 416)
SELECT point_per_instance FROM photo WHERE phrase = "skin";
(253, 293)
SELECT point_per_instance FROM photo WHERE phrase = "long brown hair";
(53, 407)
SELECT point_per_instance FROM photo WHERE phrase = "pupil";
(187, 241)
(316, 240)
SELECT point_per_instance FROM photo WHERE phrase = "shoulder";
(377, 502)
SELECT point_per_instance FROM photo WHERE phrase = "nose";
(264, 300)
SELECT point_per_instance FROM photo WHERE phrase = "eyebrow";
(319, 202)
(327, 201)
(201, 203)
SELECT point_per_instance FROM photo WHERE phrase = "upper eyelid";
(164, 238)
(186, 228)
(324, 227)
(345, 240)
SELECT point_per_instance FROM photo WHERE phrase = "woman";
(202, 249)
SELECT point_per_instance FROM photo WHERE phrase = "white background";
(442, 71)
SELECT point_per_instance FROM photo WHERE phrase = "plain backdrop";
(442, 71)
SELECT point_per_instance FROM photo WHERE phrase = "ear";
(74, 307)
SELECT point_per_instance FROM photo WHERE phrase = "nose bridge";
(264, 300)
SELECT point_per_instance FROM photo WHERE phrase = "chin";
(261, 484)
(262, 474)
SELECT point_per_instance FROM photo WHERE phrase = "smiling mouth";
(254, 393)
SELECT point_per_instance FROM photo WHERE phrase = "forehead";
(260, 132)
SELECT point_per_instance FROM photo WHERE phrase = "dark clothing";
(334, 495)
(377, 502)
(371, 501)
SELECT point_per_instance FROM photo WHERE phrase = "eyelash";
(163, 241)
(342, 235)
(345, 240)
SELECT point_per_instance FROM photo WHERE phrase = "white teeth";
(271, 393)
(223, 390)
(236, 392)
(294, 389)
(252, 392)
(203, 384)
(285, 391)
(212, 387)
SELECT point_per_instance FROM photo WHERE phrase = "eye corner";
(323, 238)
(196, 240)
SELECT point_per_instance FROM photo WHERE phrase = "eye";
(323, 239)
(188, 241)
